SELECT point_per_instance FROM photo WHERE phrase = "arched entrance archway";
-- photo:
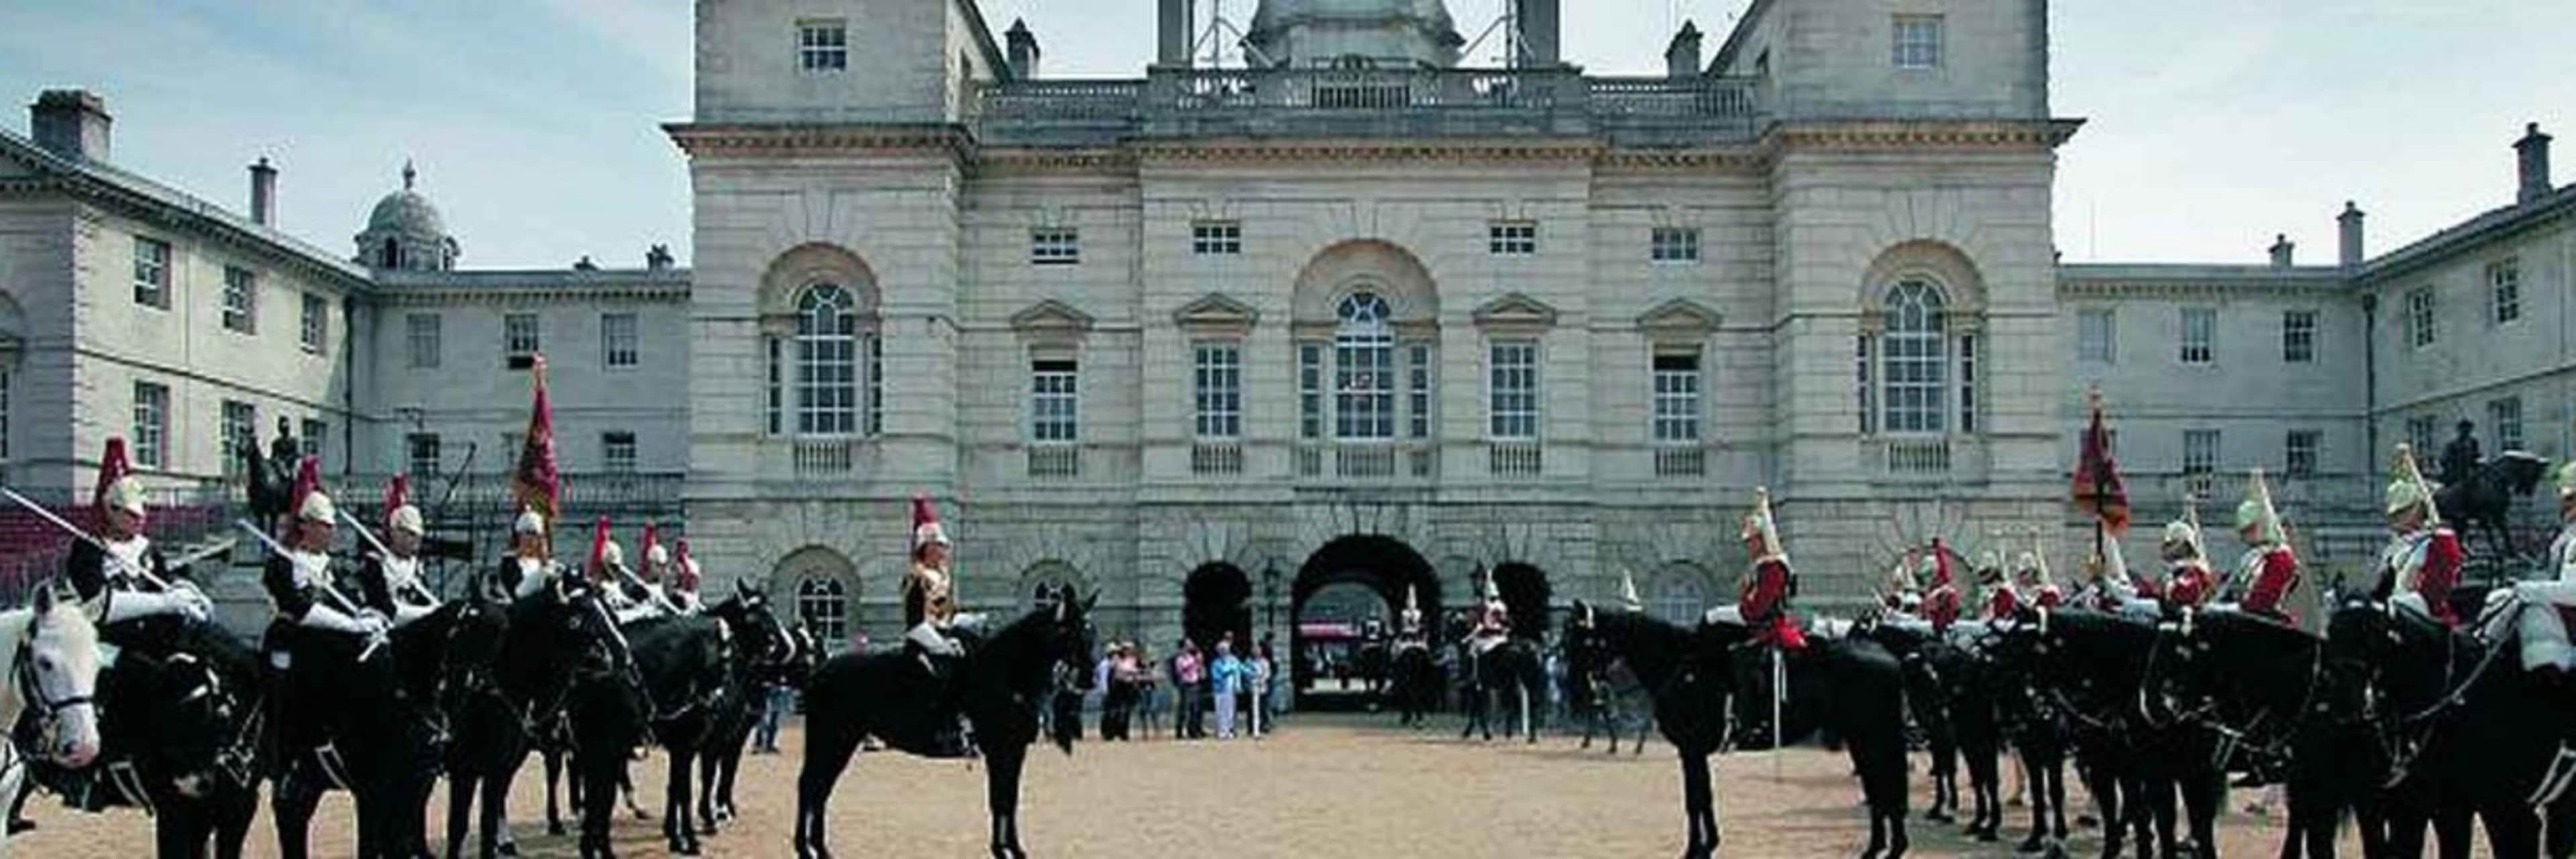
(1526, 594)
(1334, 590)
(1217, 599)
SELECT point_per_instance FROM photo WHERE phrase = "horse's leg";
(291, 809)
(1529, 727)
(230, 815)
(176, 831)
(626, 791)
(1002, 798)
(2105, 786)
(2034, 783)
(554, 773)
(827, 753)
(495, 810)
(2453, 830)
(1699, 808)
(2561, 828)
(460, 808)
(675, 802)
(2513, 830)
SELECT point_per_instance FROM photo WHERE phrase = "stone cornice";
(1052, 322)
(796, 138)
(1918, 135)
(1680, 319)
(1215, 314)
(401, 297)
(284, 253)
(1514, 313)
(2197, 289)
(1540, 149)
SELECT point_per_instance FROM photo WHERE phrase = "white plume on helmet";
(318, 507)
(2257, 512)
(530, 522)
(407, 519)
(1628, 592)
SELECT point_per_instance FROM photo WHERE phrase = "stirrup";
(334, 769)
(129, 784)
(2561, 772)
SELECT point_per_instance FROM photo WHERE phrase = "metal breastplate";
(403, 582)
(126, 559)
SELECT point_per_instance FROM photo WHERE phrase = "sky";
(2211, 125)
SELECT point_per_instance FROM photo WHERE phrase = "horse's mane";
(1641, 626)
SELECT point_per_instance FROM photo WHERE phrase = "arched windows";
(1918, 371)
(824, 605)
(1363, 369)
(825, 373)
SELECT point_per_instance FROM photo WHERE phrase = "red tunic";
(2191, 586)
(2278, 574)
(2050, 597)
(1941, 607)
(2002, 603)
(2441, 573)
(1765, 606)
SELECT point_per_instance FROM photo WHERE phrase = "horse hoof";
(554, 829)
(2029, 845)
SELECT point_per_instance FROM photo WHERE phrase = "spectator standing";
(1189, 676)
(1265, 688)
(781, 701)
(1226, 677)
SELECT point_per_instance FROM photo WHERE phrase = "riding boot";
(948, 736)
(1750, 663)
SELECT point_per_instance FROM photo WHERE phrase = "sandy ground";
(1325, 787)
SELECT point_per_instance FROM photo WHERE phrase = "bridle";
(31, 689)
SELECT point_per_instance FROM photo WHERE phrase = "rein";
(33, 692)
(2403, 737)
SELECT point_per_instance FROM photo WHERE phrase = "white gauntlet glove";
(325, 617)
(129, 605)
(2559, 592)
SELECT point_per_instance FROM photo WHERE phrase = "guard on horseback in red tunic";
(2002, 600)
(684, 581)
(2033, 583)
(1900, 595)
(1943, 604)
(2188, 580)
(930, 618)
(2422, 562)
(389, 581)
(2267, 572)
(1764, 608)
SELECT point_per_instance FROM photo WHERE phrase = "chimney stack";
(2534, 149)
(1178, 31)
(1023, 50)
(1681, 58)
(2284, 252)
(72, 123)
(263, 193)
(1540, 33)
(2351, 222)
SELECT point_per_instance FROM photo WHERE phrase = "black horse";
(768, 653)
(432, 656)
(2270, 689)
(339, 722)
(2036, 731)
(2484, 503)
(668, 692)
(2466, 730)
(493, 716)
(2101, 674)
(1512, 668)
(180, 740)
(998, 687)
(1605, 695)
(1415, 684)
(1927, 699)
(1851, 687)
(1971, 688)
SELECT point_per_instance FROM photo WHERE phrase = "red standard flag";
(2098, 489)
(535, 484)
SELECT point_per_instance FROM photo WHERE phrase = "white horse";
(49, 653)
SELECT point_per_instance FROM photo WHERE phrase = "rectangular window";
(152, 273)
(314, 431)
(1512, 391)
(2504, 291)
(617, 452)
(5, 378)
(421, 451)
(1055, 246)
(2095, 337)
(1054, 402)
(241, 300)
(1918, 41)
(773, 401)
(423, 330)
(876, 386)
(823, 45)
(519, 340)
(240, 435)
(2419, 433)
(1967, 383)
(1417, 390)
(2199, 452)
(1677, 400)
(2299, 454)
(1216, 238)
(2505, 415)
(2199, 335)
(1217, 378)
(1364, 386)
(151, 425)
(2419, 317)
(1512, 238)
(617, 340)
(317, 324)
(1865, 355)
(2298, 336)
(1673, 245)
(1310, 390)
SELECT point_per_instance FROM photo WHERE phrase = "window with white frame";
(773, 400)
(2505, 415)
(875, 417)
(240, 435)
(825, 608)
(241, 300)
(1512, 391)
(1918, 41)
(151, 425)
(617, 452)
(1055, 246)
(2420, 329)
(314, 431)
(827, 361)
(1915, 361)
(1680, 600)
(1673, 245)
(1512, 238)
(1310, 390)
(823, 45)
(1677, 407)
(2199, 451)
(2504, 291)
(316, 335)
(421, 452)
(1055, 401)
(1417, 390)
(152, 273)
(520, 340)
(2420, 433)
(1216, 238)
(2299, 452)
(2096, 337)
(617, 340)
(1364, 370)
(1217, 379)
(1865, 358)
(423, 330)
(2199, 335)
(2298, 336)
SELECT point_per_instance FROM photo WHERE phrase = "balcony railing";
(1366, 462)
(832, 457)
(586, 493)
(1055, 462)
(1918, 457)
(1515, 459)
(1681, 462)
(1216, 459)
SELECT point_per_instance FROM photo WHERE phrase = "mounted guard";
(122, 579)
(1763, 606)
(1409, 631)
(2269, 569)
(314, 619)
(684, 581)
(1901, 594)
(2543, 626)
(2003, 601)
(1942, 605)
(530, 567)
(2032, 581)
(2422, 561)
(2188, 580)
(390, 581)
(930, 619)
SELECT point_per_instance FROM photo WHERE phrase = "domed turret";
(1374, 33)
(405, 232)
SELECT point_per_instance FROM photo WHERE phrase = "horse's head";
(56, 677)
(177, 718)
(2522, 471)
(476, 628)
(759, 635)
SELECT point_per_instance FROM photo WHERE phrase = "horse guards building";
(1211, 339)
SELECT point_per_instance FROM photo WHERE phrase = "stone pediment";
(1515, 311)
(1216, 313)
(1052, 320)
(1679, 318)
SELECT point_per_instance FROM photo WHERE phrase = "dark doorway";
(1341, 609)
(1215, 600)
(1526, 595)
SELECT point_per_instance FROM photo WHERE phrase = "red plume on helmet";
(684, 568)
(308, 480)
(397, 495)
(598, 567)
(645, 552)
(926, 530)
(112, 467)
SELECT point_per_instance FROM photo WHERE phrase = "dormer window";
(823, 45)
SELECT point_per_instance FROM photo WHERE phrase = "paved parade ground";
(1329, 787)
